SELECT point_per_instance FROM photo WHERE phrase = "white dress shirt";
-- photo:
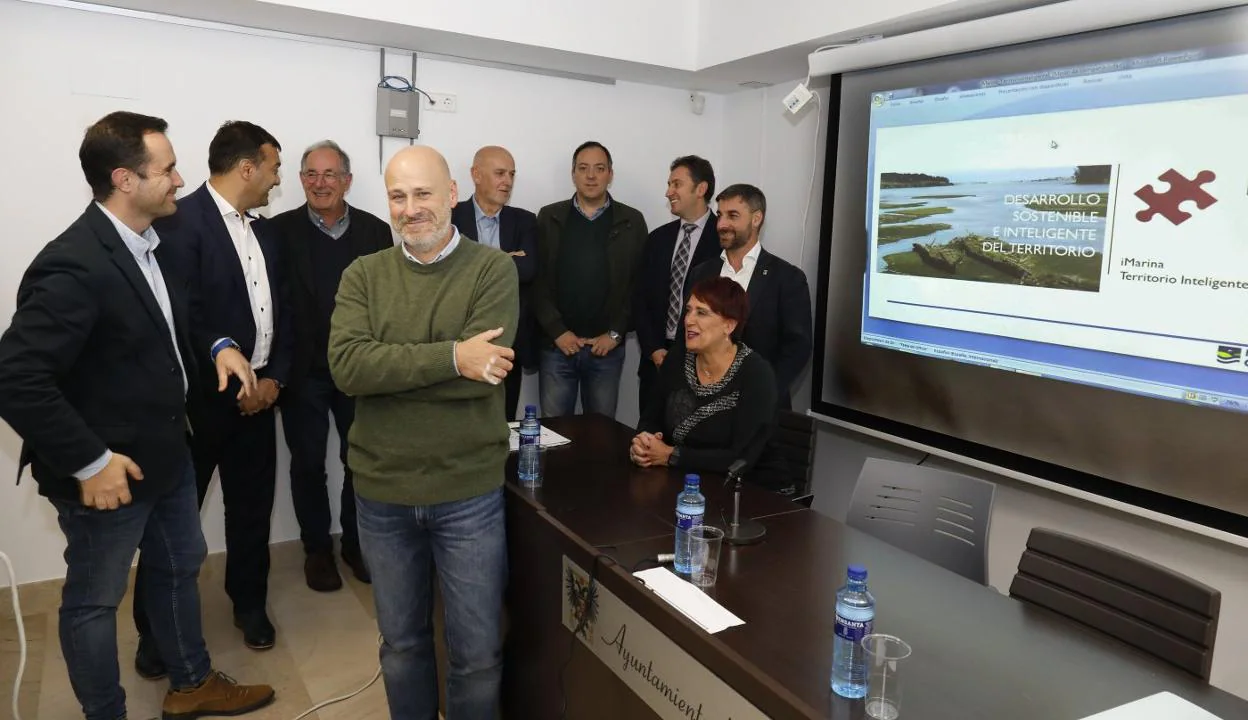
(143, 248)
(255, 272)
(747, 267)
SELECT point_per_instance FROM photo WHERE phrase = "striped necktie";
(680, 267)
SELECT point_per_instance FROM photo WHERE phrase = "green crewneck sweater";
(422, 434)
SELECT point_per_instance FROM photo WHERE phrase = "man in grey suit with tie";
(671, 250)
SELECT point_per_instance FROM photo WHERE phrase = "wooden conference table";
(977, 653)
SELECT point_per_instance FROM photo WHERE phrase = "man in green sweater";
(421, 335)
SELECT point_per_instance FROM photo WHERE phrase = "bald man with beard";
(421, 335)
(487, 218)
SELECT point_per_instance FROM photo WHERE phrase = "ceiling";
(774, 66)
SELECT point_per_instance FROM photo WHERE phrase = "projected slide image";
(1039, 227)
(1075, 228)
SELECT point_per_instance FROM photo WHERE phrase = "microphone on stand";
(740, 532)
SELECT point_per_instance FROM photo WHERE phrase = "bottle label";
(526, 439)
(684, 521)
(853, 630)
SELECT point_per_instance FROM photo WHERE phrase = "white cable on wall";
(814, 166)
(21, 633)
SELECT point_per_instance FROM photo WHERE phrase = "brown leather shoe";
(321, 572)
(218, 694)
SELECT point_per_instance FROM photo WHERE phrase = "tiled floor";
(326, 647)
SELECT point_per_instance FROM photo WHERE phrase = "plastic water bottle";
(855, 614)
(530, 448)
(690, 509)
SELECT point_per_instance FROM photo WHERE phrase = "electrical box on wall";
(398, 113)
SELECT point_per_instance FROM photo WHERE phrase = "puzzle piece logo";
(1181, 190)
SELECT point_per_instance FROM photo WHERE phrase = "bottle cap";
(857, 573)
(530, 410)
(693, 479)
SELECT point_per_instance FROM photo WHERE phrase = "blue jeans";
(465, 542)
(101, 546)
(597, 378)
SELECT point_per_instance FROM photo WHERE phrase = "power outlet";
(443, 102)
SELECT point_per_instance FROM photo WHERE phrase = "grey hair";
(326, 145)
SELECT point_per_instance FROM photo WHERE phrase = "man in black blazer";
(231, 263)
(96, 372)
(487, 218)
(319, 240)
(779, 326)
(671, 251)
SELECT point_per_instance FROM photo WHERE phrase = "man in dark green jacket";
(589, 250)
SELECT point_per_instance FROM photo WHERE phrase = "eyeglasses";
(328, 176)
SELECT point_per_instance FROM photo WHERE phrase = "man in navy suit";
(779, 327)
(671, 251)
(487, 218)
(98, 371)
(229, 260)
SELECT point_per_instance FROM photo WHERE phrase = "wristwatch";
(614, 336)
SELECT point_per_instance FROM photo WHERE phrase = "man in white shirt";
(98, 372)
(779, 326)
(228, 259)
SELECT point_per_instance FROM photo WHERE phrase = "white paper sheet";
(689, 600)
(1162, 706)
(550, 438)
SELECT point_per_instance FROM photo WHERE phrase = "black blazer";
(88, 365)
(779, 326)
(517, 231)
(651, 289)
(199, 249)
(719, 436)
(368, 233)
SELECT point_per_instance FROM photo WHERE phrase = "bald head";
(417, 160)
(493, 175)
(421, 195)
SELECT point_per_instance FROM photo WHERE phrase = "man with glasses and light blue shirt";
(319, 240)
(487, 218)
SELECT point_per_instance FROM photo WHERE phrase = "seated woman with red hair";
(715, 402)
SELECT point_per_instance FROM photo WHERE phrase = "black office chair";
(1143, 604)
(942, 517)
(792, 448)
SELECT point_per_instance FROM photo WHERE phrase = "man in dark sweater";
(589, 253)
(320, 239)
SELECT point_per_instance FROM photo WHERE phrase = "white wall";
(62, 69)
(766, 146)
(655, 32)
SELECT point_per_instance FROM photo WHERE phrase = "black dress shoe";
(147, 661)
(355, 560)
(321, 572)
(258, 632)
